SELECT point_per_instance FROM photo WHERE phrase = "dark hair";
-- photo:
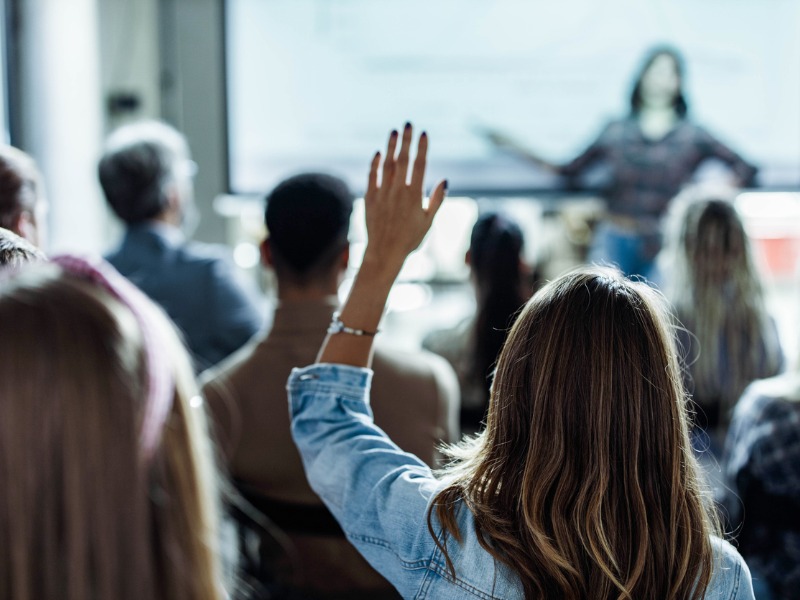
(137, 167)
(16, 251)
(307, 218)
(495, 251)
(679, 102)
(20, 184)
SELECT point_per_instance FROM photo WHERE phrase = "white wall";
(193, 97)
(129, 56)
(61, 120)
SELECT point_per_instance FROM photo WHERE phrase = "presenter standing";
(651, 154)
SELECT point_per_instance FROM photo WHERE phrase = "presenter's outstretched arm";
(504, 142)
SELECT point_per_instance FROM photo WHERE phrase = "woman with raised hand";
(583, 484)
(107, 477)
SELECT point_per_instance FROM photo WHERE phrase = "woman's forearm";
(363, 311)
(397, 221)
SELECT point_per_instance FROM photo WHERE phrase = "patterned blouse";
(762, 470)
(645, 174)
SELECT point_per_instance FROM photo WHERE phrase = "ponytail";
(495, 249)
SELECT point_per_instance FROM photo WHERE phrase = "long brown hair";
(584, 482)
(716, 290)
(82, 514)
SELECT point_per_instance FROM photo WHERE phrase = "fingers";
(372, 180)
(437, 198)
(395, 168)
(405, 151)
(418, 172)
(389, 160)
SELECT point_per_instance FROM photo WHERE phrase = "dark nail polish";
(423, 134)
(408, 125)
(446, 184)
(394, 133)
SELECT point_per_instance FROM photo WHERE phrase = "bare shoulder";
(421, 365)
(229, 367)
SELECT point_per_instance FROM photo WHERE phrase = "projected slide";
(317, 84)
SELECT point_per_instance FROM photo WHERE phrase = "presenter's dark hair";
(679, 102)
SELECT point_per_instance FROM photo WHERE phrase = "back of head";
(495, 253)
(713, 241)
(139, 164)
(21, 186)
(15, 251)
(584, 482)
(307, 218)
(717, 292)
(85, 512)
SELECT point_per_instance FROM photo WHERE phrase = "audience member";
(146, 175)
(23, 206)
(16, 251)
(109, 489)
(583, 484)
(712, 281)
(762, 470)
(415, 398)
(497, 271)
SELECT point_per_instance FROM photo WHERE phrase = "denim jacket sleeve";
(378, 493)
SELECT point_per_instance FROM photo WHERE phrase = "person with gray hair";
(146, 174)
(16, 251)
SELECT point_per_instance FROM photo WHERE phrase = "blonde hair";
(584, 482)
(84, 514)
(717, 294)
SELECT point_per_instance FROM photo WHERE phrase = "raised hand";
(397, 219)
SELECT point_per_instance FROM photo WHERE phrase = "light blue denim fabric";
(380, 495)
(627, 250)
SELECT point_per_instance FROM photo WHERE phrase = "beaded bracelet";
(337, 326)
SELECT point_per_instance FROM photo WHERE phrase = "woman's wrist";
(366, 303)
(397, 221)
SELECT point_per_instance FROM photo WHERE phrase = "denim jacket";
(380, 495)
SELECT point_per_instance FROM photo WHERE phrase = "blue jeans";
(634, 253)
